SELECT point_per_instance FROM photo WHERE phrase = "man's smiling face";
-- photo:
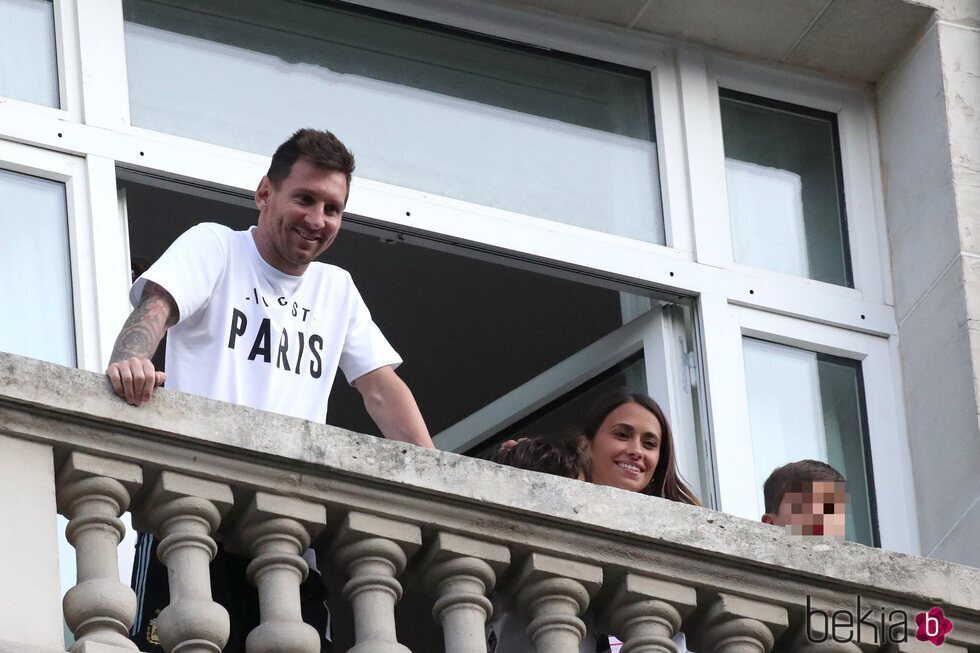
(300, 219)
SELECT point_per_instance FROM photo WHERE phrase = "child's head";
(808, 498)
(546, 455)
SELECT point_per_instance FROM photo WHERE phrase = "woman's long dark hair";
(666, 481)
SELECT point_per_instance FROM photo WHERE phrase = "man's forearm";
(402, 421)
(392, 406)
(145, 326)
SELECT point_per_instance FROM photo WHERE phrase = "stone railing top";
(38, 397)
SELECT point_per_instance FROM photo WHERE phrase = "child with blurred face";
(807, 498)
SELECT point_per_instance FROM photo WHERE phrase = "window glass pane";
(784, 188)
(34, 251)
(560, 417)
(502, 125)
(28, 58)
(808, 405)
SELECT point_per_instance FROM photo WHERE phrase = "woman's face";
(626, 448)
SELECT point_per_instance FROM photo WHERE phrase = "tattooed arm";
(130, 370)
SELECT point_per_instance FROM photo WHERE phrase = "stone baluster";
(552, 593)
(373, 551)
(275, 531)
(183, 512)
(646, 612)
(733, 624)
(460, 572)
(92, 493)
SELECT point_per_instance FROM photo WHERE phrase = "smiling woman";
(630, 446)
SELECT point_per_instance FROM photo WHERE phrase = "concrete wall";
(930, 146)
(30, 604)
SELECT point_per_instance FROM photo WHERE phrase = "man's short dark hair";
(796, 477)
(546, 455)
(321, 147)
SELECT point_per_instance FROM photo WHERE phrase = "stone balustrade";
(389, 521)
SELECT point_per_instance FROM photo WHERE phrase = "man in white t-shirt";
(253, 319)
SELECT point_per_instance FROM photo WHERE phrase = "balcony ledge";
(74, 410)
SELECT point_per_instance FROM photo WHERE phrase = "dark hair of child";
(796, 477)
(547, 455)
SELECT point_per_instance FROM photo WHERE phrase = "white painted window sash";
(71, 171)
(734, 300)
(401, 208)
(724, 327)
(69, 70)
(853, 104)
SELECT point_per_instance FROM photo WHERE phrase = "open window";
(494, 344)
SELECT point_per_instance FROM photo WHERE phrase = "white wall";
(929, 143)
(30, 599)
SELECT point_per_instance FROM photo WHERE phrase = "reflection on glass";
(34, 250)
(808, 405)
(784, 190)
(28, 57)
(562, 416)
(463, 116)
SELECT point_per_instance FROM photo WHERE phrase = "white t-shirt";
(252, 335)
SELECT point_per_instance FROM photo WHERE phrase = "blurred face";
(818, 511)
(299, 220)
(626, 448)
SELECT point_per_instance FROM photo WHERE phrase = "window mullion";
(105, 93)
(106, 263)
(669, 384)
(705, 161)
(890, 455)
(668, 114)
(69, 69)
(727, 400)
(865, 225)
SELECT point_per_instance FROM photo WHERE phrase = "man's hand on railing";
(133, 379)
(130, 370)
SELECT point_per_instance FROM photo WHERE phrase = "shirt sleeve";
(188, 270)
(365, 347)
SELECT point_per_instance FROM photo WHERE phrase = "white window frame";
(853, 105)
(674, 269)
(69, 75)
(677, 85)
(84, 237)
(697, 261)
(726, 326)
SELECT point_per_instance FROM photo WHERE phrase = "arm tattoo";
(146, 325)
